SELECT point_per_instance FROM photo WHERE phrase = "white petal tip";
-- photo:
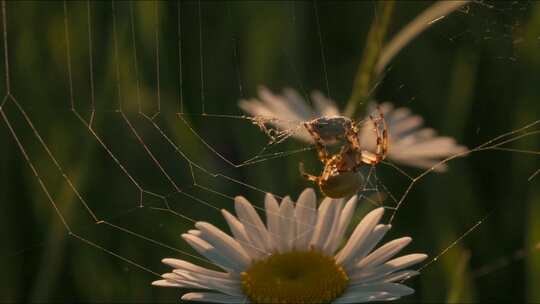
(406, 240)
(405, 291)
(309, 190)
(165, 283)
(201, 225)
(191, 297)
(240, 201)
(170, 261)
(412, 274)
(195, 232)
(419, 257)
(377, 213)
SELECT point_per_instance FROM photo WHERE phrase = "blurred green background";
(473, 75)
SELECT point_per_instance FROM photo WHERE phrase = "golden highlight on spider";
(340, 177)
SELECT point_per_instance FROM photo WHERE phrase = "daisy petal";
(227, 286)
(424, 163)
(208, 251)
(383, 277)
(185, 282)
(306, 216)
(272, 218)
(184, 265)
(361, 297)
(384, 253)
(278, 104)
(331, 237)
(411, 144)
(400, 276)
(381, 271)
(391, 288)
(195, 232)
(255, 108)
(324, 105)
(405, 261)
(298, 104)
(387, 108)
(434, 148)
(255, 228)
(239, 232)
(406, 125)
(325, 221)
(373, 239)
(344, 220)
(359, 237)
(409, 140)
(210, 297)
(287, 225)
(225, 244)
(166, 283)
(385, 298)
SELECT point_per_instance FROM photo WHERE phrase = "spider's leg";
(352, 137)
(381, 150)
(368, 158)
(307, 176)
(382, 136)
(321, 149)
(384, 144)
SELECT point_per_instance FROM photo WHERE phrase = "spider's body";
(336, 180)
(340, 177)
(329, 129)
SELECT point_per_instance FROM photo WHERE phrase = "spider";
(340, 177)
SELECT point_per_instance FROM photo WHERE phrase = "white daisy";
(410, 143)
(297, 257)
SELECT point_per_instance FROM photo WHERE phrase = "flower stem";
(364, 75)
(420, 23)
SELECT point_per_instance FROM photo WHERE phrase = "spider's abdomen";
(342, 184)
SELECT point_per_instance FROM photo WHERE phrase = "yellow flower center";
(294, 277)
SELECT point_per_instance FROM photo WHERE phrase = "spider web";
(128, 155)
